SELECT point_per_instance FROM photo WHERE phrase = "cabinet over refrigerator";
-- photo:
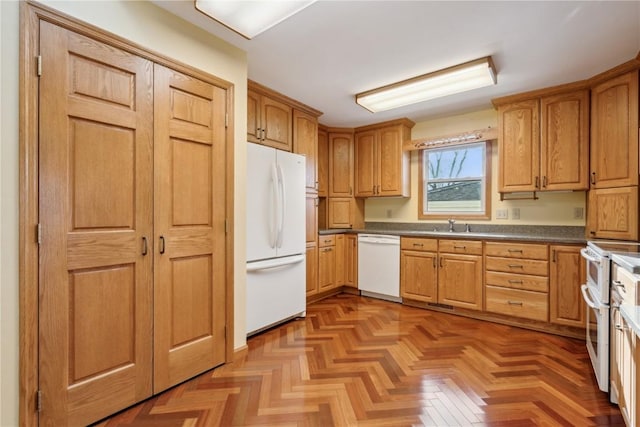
(276, 264)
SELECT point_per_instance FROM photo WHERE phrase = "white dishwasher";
(379, 266)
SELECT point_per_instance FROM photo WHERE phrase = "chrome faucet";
(451, 222)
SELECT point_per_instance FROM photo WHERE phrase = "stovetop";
(607, 247)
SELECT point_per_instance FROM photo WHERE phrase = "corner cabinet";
(381, 166)
(614, 132)
(544, 142)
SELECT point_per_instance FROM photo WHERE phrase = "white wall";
(153, 28)
(553, 208)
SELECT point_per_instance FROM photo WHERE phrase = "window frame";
(486, 215)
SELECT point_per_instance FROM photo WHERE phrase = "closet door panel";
(189, 273)
(95, 209)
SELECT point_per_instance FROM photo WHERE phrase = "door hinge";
(39, 65)
(39, 234)
(38, 400)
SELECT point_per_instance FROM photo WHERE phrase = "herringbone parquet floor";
(363, 362)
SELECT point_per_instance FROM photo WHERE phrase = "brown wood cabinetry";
(613, 213)
(460, 273)
(340, 260)
(312, 269)
(567, 272)
(311, 219)
(516, 279)
(340, 164)
(351, 260)
(326, 263)
(269, 121)
(305, 142)
(614, 132)
(544, 142)
(323, 162)
(419, 269)
(381, 166)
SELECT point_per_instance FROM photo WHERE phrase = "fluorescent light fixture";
(460, 78)
(250, 17)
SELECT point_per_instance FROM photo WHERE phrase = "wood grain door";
(276, 119)
(254, 129)
(419, 275)
(365, 148)
(460, 281)
(564, 141)
(95, 208)
(613, 213)
(189, 274)
(390, 162)
(305, 142)
(614, 132)
(340, 165)
(566, 274)
(323, 163)
(519, 146)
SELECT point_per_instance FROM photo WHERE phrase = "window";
(455, 182)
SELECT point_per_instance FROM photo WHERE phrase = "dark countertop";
(533, 233)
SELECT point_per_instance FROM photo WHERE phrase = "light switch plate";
(515, 213)
(502, 213)
(578, 213)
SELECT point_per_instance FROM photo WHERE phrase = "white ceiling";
(332, 50)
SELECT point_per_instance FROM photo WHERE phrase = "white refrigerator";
(276, 244)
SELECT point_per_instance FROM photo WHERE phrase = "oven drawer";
(517, 281)
(516, 302)
(520, 266)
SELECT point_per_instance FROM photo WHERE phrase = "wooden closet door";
(189, 274)
(95, 201)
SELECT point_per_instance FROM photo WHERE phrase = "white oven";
(598, 265)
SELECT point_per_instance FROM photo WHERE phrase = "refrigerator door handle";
(274, 208)
(281, 208)
(274, 263)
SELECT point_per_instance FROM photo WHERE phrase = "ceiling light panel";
(250, 18)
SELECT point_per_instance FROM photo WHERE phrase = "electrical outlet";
(578, 213)
(389, 213)
(515, 213)
(502, 213)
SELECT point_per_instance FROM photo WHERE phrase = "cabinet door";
(392, 163)
(326, 268)
(564, 141)
(519, 145)
(323, 163)
(419, 276)
(340, 165)
(627, 372)
(365, 163)
(460, 281)
(312, 269)
(340, 213)
(613, 213)
(566, 274)
(340, 260)
(253, 117)
(276, 120)
(614, 132)
(311, 220)
(351, 260)
(305, 142)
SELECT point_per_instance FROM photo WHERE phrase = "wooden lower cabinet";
(337, 259)
(567, 273)
(326, 268)
(312, 269)
(340, 260)
(351, 260)
(613, 213)
(460, 281)
(419, 275)
(517, 302)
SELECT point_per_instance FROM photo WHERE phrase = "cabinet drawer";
(517, 281)
(519, 266)
(328, 240)
(460, 247)
(418, 244)
(518, 303)
(517, 250)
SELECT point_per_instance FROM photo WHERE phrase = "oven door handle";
(587, 298)
(585, 254)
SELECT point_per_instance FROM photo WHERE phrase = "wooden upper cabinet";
(564, 141)
(305, 142)
(340, 164)
(519, 149)
(381, 166)
(614, 132)
(323, 162)
(254, 128)
(613, 213)
(544, 142)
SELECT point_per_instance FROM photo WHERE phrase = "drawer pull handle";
(418, 244)
(515, 281)
(327, 249)
(515, 266)
(519, 303)
(515, 250)
(459, 247)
